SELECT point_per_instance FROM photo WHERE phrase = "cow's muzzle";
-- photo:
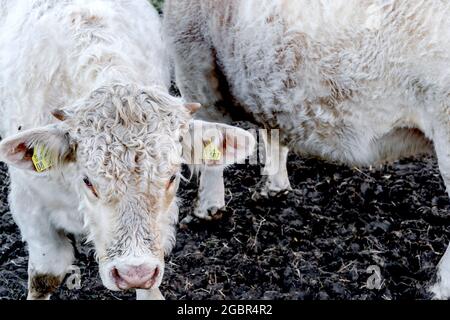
(144, 276)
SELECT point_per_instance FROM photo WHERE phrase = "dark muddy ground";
(315, 243)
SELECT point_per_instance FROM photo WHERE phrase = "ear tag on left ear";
(211, 152)
(41, 159)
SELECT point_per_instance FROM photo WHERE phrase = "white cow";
(353, 81)
(107, 163)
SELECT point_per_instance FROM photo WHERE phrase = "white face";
(129, 240)
(130, 221)
(127, 145)
(129, 156)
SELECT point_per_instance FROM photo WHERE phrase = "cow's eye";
(91, 187)
(87, 182)
(171, 181)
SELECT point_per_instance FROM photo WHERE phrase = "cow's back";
(3, 10)
(51, 53)
(334, 76)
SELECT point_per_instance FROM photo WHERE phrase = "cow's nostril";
(115, 273)
(152, 278)
(155, 275)
(120, 282)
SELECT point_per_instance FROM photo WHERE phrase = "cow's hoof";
(209, 212)
(268, 192)
(440, 291)
(268, 188)
(185, 222)
(274, 193)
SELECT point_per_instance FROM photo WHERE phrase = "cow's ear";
(215, 144)
(38, 150)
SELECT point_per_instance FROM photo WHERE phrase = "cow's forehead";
(128, 135)
(118, 169)
(153, 156)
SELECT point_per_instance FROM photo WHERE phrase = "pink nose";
(135, 277)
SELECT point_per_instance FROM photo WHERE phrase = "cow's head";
(125, 147)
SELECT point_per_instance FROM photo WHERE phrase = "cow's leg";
(441, 139)
(201, 80)
(153, 294)
(50, 257)
(275, 167)
(50, 251)
(211, 193)
(441, 290)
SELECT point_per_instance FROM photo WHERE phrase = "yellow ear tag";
(41, 159)
(211, 152)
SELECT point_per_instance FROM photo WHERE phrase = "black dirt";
(317, 242)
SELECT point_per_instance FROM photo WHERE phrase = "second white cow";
(353, 81)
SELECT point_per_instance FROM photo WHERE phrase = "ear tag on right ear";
(41, 159)
(211, 152)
